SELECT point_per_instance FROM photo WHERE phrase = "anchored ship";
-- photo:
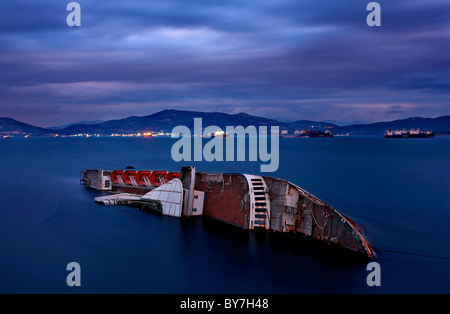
(251, 202)
(413, 133)
(307, 133)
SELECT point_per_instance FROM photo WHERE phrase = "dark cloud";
(281, 59)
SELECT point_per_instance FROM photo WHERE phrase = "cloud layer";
(286, 59)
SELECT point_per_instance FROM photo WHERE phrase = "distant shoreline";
(165, 121)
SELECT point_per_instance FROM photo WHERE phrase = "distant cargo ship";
(307, 133)
(413, 133)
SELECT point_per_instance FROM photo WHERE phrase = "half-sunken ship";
(251, 202)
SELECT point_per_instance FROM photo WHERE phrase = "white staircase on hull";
(259, 202)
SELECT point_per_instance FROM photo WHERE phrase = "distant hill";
(166, 120)
(74, 123)
(15, 128)
(437, 125)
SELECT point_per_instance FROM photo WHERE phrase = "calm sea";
(397, 189)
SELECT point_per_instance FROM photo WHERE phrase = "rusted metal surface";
(225, 200)
(288, 222)
(304, 213)
(277, 189)
(228, 198)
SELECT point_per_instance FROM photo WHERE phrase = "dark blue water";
(399, 190)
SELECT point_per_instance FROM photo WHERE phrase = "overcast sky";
(282, 59)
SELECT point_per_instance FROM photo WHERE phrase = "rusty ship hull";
(250, 202)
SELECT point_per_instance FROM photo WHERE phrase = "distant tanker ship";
(408, 134)
(307, 133)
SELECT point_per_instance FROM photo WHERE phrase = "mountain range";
(14, 128)
(166, 120)
(60, 127)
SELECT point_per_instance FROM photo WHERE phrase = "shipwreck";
(250, 202)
